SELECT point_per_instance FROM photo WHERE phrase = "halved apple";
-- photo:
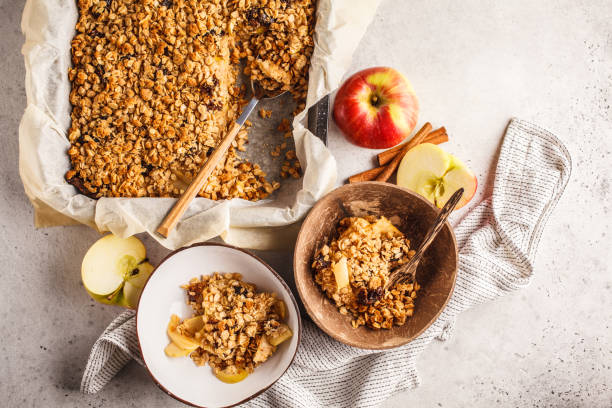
(135, 282)
(114, 270)
(431, 172)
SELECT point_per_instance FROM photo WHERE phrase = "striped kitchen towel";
(497, 244)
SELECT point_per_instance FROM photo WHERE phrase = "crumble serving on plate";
(155, 87)
(354, 268)
(234, 328)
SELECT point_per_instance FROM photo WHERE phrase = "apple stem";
(116, 292)
(375, 100)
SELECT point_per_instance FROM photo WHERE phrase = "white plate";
(162, 296)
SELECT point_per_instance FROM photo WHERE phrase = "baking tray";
(264, 137)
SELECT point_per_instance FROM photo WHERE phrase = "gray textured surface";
(474, 64)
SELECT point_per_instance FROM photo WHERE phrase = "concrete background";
(474, 64)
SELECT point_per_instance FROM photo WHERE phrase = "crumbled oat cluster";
(291, 166)
(238, 322)
(265, 114)
(368, 249)
(155, 88)
(278, 44)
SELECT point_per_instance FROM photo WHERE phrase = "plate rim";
(274, 273)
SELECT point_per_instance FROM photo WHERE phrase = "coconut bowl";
(411, 214)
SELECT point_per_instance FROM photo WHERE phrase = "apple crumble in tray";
(156, 83)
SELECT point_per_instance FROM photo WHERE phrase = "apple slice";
(183, 342)
(114, 270)
(280, 335)
(264, 350)
(193, 324)
(280, 308)
(172, 350)
(383, 225)
(231, 375)
(341, 273)
(431, 172)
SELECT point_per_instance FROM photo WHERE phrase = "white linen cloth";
(497, 243)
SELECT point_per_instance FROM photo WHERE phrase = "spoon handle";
(409, 269)
(201, 178)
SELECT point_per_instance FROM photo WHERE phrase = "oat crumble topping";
(239, 329)
(367, 250)
(155, 87)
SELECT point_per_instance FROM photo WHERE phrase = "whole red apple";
(376, 108)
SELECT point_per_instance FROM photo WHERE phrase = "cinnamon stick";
(436, 137)
(392, 166)
(367, 175)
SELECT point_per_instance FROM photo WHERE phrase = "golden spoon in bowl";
(215, 158)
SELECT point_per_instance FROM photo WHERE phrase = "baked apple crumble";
(155, 86)
(353, 269)
(234, 328)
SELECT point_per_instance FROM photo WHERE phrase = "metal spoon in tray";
(215, 158)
